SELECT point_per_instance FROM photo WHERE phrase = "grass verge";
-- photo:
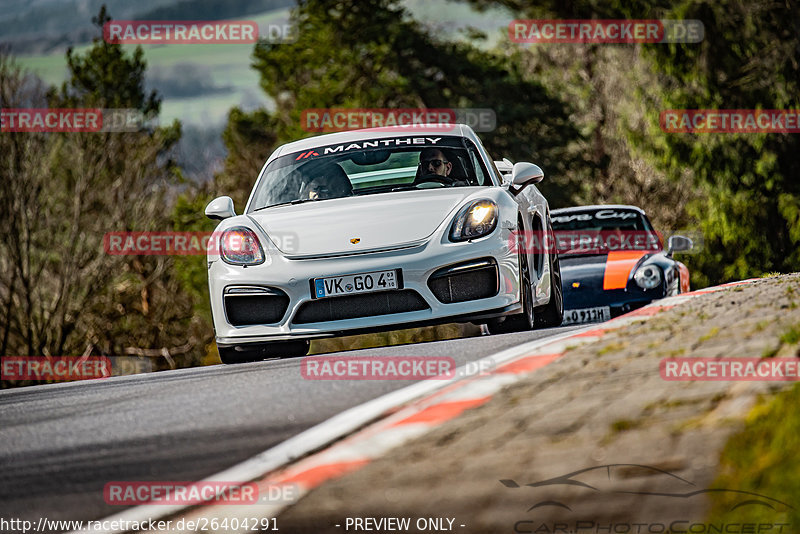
(762, 459)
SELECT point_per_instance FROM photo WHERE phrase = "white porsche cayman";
(379, 229)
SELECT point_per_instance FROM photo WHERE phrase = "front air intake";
(472, 280)
(246, 305)
(356, 306)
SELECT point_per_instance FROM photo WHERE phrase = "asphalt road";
(61, 443)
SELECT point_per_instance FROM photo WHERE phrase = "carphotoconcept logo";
(605, 31)
(325, 120)
(565, 503)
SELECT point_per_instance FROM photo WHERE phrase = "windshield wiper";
(292, 202)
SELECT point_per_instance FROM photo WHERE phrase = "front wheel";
(521, 321)
(254, 353)
(552, 313)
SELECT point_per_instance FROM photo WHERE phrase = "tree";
(743, 193)
(749, 209)
(62, 293)
(373, 54)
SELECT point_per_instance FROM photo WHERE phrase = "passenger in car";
(329, 181)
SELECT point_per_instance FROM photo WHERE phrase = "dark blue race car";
(613, 262)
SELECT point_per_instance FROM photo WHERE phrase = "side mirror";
(505, 168)
(220, 208)
(525, 173)
(679, 243)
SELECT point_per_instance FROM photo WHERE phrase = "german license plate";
(351, 284)
(587, 315)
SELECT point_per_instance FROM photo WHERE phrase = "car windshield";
(368, 167)
(599, 231)
(600, 220)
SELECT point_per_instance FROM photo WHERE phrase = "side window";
(479, 175)
(492, 169)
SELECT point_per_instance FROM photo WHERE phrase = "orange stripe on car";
(684, 274)
(618, 267)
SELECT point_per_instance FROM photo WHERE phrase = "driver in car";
(433, 161)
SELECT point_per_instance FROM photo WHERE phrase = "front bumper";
(417, 262)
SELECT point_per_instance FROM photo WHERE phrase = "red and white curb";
(366, 432)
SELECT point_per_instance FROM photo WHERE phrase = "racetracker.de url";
(202, 524)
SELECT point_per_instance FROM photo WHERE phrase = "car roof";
(574, 209)
(353, 136)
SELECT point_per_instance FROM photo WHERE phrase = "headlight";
(647, 276)
(474, 220)
(240, 246)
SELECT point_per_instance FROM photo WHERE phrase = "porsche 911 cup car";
(613, 262)
(378, 229)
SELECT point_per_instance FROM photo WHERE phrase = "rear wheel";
(276, 349)
(521, 321)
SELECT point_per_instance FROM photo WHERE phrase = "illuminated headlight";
(240, 246)
(647, 276)
(474, 220)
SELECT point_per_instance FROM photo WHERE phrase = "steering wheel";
(444, 180)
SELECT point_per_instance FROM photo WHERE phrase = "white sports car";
(379, 229)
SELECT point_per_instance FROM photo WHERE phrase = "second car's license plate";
(587, 315)
(355, 283)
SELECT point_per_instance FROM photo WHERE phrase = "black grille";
(248, 309)
(465, 281)
(355, 306)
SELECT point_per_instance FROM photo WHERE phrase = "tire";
(524, 321)
(277, 349)
(552, 313)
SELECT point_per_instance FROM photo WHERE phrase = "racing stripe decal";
(618, 267)
(684, 274)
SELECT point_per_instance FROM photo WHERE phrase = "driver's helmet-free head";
(325, 181)
(434, 161)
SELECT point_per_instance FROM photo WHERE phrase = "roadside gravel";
(602, 404)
